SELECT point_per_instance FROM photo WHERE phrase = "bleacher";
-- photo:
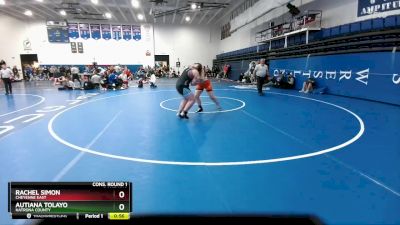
(373, 34)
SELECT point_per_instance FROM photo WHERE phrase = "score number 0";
(121, 206)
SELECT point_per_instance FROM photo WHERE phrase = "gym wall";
(334, 13)
(189, 43)
(373, 76)
(101, 51)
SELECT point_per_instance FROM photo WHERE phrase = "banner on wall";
(369, 7)
(73, 47)
(116, 30)
(80, 47)
(73, 30)
(106, 31)
(95, 31)
(137, 34)
(373, 76)
(127, 32)
(84, 30)
(147, 33)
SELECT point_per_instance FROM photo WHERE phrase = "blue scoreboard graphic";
(57, 32)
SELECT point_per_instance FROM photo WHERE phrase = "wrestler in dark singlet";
(189, 77)
(182, 85)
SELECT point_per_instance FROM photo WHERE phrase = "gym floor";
(284, 153)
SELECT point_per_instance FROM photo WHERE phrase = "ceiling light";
(2, 2)
(39, 0)
(63, 13)
(135, 3)
(28, 13)
(193, 6)
(187, 18)
(95, 2)
(108, 15)
(140, 16)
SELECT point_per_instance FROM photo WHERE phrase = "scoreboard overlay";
(70, 200)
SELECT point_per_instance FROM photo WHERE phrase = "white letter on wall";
(363, 76)
(330, 75)
(307, 74)
(394, 79)
(345, 74)
(296, 72)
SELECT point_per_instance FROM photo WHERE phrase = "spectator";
(153, 81)
(142, 81)
(278, 80)
(87, 69)
(75, 74)
(104, 81)
(158, 73)
(58, 80)
(52, 71)
(208, 71)
(165, 70)
(128, 73)
(62, 71)
(248, 76)
(112, 80)
(215, 70)
(15, 72)
(308, 85)
(174, 74)
(29, 72)
(6, 76)
(96, 79)
(66, 84)
(227, 70)
(252, 67)
(261, 72)
(46, 73)
(57, 76)
(289, 83)
(68, 70)
(101, 71)
(141, 72)
(124, 78)
(245, 78)
(87, 83)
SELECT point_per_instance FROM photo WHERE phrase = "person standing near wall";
(252, 66)
(96, 78)
(261, 73)
(52, 71)
(227, 70)
(15, 72)
(62, 71)
(29, 72)
(6, 76)
(75, 75)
